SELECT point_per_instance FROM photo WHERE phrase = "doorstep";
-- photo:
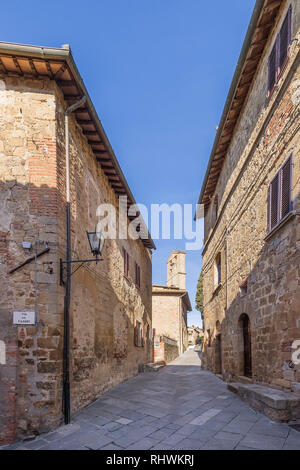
(275, 404)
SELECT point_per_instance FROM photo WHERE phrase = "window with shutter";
(274, 201)
(138, 276)
(216, 208)
(124, 259)
(284, 41)
(136, 266)
(279, 195)
(143, 336)
(217, 271)
(286, 188)
(136, 334)
(279, 53)
(126, 262)
(272, 68)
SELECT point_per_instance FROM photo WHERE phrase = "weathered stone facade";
(170, 305)
(194, 333)
(165, 349)
(259, 271)
(104, 304)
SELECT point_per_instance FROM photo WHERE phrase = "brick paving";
(180, 407)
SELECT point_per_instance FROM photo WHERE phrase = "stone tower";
(176, 269)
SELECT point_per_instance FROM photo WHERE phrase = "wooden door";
(247, 347)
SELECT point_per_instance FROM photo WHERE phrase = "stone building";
(111, 305)
(250, 194)
(194, 333)
(170, 305)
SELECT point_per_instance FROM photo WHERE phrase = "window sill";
(283, 221)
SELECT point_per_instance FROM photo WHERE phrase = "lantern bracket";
(81, 261)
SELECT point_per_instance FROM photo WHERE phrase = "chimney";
(176, 269)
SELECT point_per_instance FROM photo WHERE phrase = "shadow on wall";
(104, 308)
(255, 337)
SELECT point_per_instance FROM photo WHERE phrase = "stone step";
(245, 380)
(154, 367)
(276, 404)
(233, 387)
(220, 376)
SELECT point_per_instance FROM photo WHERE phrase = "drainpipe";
(66, 351)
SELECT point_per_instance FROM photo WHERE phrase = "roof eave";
(65, 54)
(241, 61)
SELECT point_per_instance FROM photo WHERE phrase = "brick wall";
(165, 349)
(104, 305)
(169, 318)
(28, 213)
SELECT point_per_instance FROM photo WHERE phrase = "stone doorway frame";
(244, 346)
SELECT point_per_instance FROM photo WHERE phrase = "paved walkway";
(180, 407)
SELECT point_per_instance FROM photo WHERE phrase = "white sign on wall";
(2, 353)
(24, 318)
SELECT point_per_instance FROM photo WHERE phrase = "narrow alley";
(180, 407)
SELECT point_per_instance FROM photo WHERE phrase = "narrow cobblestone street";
(180, 407)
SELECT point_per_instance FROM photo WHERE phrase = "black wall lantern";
(96, 241)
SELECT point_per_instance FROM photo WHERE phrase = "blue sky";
(158, 72)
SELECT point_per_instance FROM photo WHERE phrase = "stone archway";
(245, 353)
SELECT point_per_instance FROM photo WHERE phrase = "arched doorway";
(218, 349)
(245, 329)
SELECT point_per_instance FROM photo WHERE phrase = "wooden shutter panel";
(136, 334)
(274, 201)
(286, 188)
(284, 38)
(269, 209)
(272, 68)
(143, 336)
